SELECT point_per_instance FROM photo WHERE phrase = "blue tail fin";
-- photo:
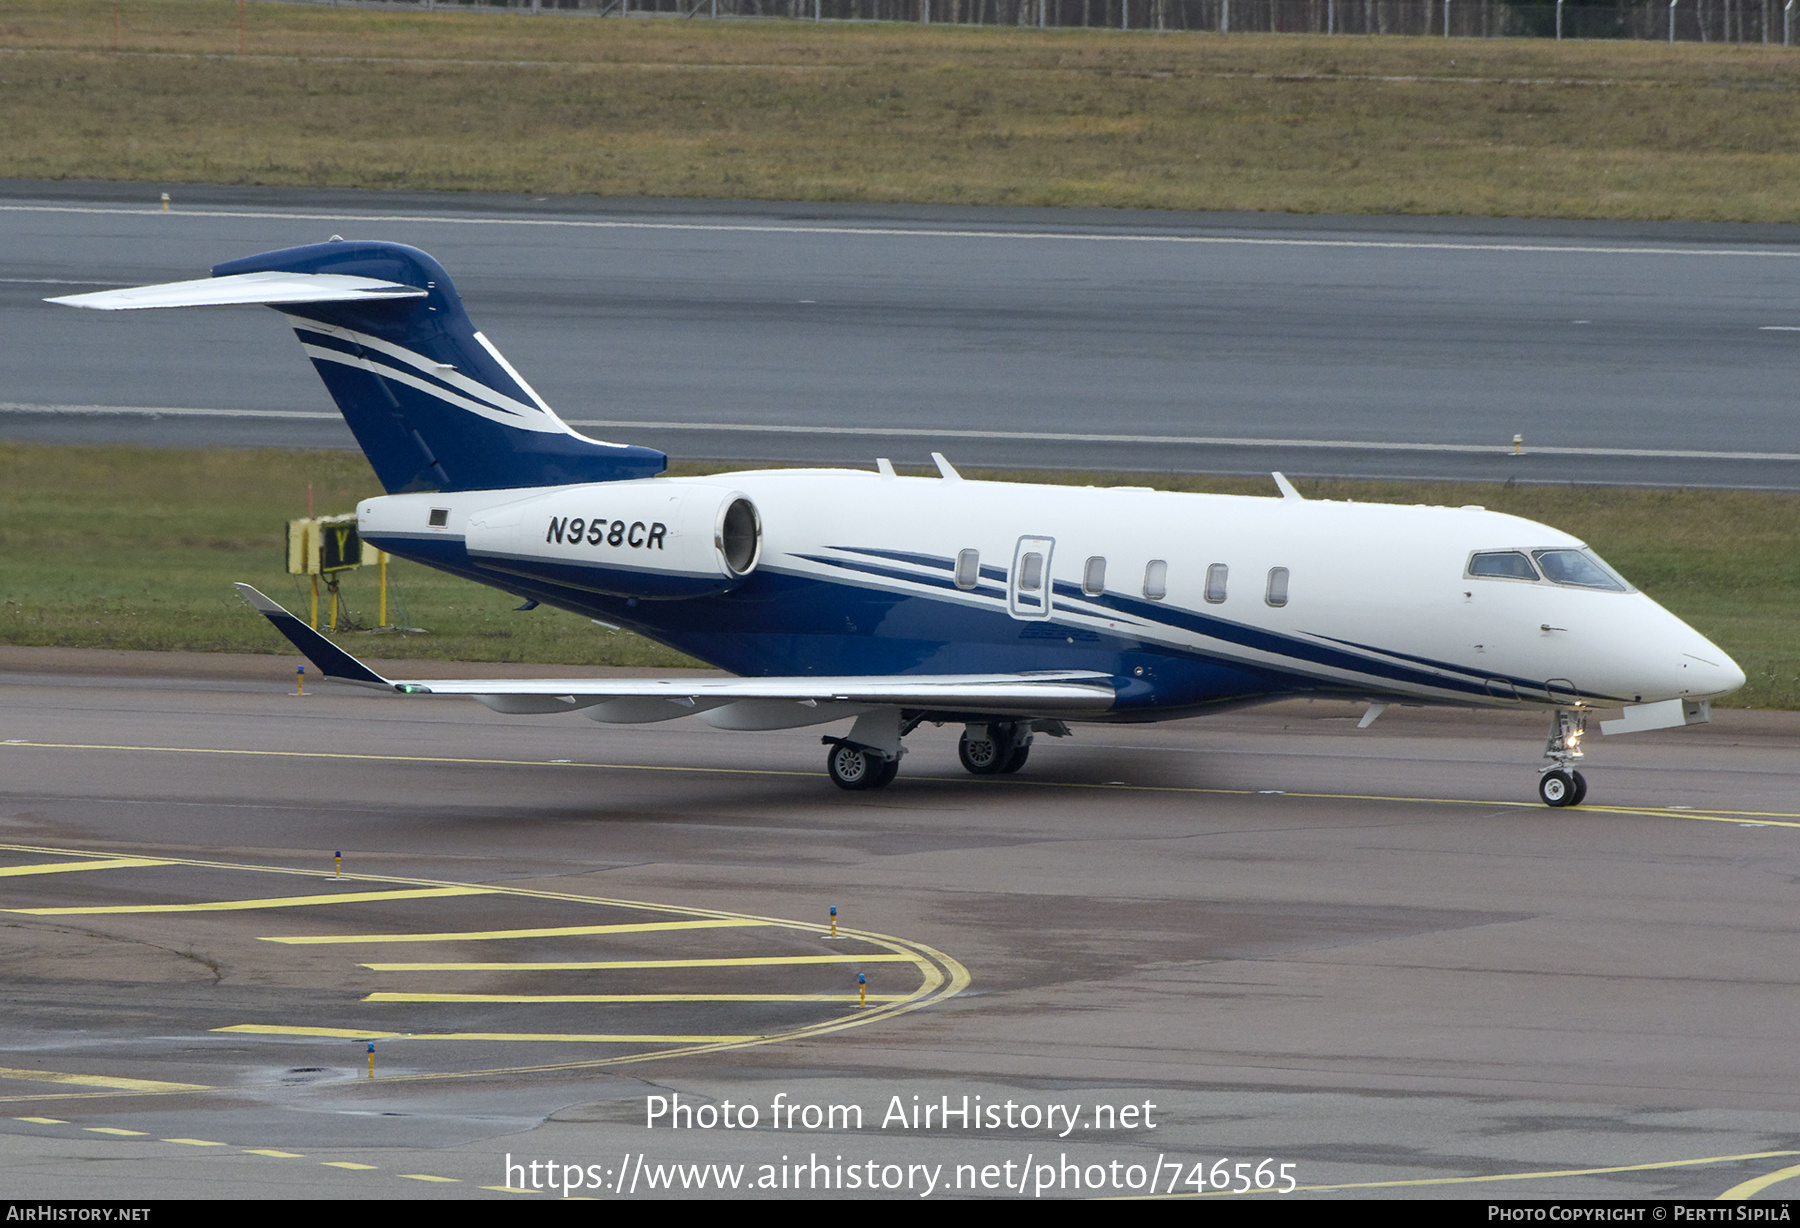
(433, 404)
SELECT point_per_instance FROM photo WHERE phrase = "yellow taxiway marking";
(508, 1189)
(85, 1080)
(111, 1130)
(273, 1029)
(71, 867)
(1531, 1176)
(320, 754)
(552, 998)
(1756, 1185)
(747, 961)
(640, 927)
(279, 1155)
(941, 978)
(1766, 818)
(196, 1142)
(280, 901)
(428, 1177)
(43, 1121)
(346, 1164)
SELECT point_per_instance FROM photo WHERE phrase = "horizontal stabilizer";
(268, 289)
(1050, 693)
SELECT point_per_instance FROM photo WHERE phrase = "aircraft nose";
(1707, 670)
(1731, 676)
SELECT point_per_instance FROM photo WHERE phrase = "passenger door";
(1028, 583)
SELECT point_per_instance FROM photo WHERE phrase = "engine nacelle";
(653, 539)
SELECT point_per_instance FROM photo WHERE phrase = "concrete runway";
(1368, 955)
(1091, 339)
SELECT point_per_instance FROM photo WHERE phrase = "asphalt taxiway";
(1366, 954)
(1648, 353)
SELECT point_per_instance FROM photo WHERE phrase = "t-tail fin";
(434, 405)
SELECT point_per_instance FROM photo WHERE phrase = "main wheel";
(890, 768)
(1558, 788)
(851, 768)
(985, 756)
(1016, 760)
(1580, 788)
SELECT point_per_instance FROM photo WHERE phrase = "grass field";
(791, 110)
(138, 548)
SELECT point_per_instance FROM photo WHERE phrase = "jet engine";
(655, 540)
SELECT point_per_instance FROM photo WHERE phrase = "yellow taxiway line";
(87, 1080)
(1766, 818)
(281, 901)
(72, 867)
(541, 999)
(633, 1038)
(738, 961)
(641, 927)
(942, 977)
(1756, 1185)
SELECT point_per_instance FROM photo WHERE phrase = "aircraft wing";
(764, 702)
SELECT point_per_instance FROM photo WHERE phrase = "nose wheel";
(1560, 788)
(1559, 784)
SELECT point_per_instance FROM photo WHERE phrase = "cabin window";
(1502, 565)
(1031, 572)
(1215, 583)
(440, 516)
(1093, 577)
(1278, 580)
(1156, 579)
(1579, 568)
(968, 568)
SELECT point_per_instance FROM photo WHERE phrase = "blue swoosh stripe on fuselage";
(988, 570)
(1536, 685)
(1276, 643)
(869, 569)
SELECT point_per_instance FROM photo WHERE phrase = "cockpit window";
(1579, 568)
(1503, 564)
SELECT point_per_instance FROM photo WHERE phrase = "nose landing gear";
(1559, 784)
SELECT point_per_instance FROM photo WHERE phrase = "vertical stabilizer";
(431, 401)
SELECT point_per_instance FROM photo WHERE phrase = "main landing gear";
(989, 749)
(1559, 784)
(869, 757)
(860, 767)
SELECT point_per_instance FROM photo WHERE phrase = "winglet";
(330, 660)
(1286, 487)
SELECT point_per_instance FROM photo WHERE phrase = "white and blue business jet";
(1012, 610)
